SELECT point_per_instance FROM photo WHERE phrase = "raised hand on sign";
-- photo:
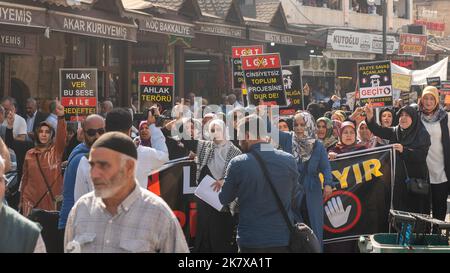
(59, 108)
(336, 213)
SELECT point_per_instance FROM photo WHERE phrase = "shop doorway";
(204, 76)
(21, 92)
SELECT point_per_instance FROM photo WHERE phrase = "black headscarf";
(407, 136)
(386, 109)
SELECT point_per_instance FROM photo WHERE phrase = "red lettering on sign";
(239, 51)
(156, 79)
(265, 61)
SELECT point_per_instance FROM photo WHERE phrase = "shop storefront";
(38, 40)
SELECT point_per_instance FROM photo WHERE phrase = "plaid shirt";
(143, 223)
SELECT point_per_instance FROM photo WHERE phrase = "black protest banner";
(292, 81)
(361, 201)
(156, 88)
(175, 183)
(78, 92)
(434, 81)
(264, 79)
(236, 68)
(375, 83)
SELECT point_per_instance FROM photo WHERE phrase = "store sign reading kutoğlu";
(74, 23)
(78, 92)
(264, 79)
(360, 42)
(237, 52)
(167, 27)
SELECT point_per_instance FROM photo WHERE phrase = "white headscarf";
(217, 163)
(302, 147)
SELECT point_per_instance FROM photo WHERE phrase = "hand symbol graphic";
(336, 213)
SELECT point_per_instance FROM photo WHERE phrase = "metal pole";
(384, 10)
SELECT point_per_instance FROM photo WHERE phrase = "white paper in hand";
(205, 192)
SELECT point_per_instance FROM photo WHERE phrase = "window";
(400, 9)
(366, 6)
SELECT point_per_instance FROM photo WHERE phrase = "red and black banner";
(237, 52)
(156, 88)
(264, 79)
(78, 92)
(361, 201)
(175, 183)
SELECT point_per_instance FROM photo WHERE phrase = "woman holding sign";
(437, 123)
(311, 158)
(42, 180)
(411, 141)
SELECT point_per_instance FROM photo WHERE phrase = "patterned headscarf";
(302, 146)
(329, 139)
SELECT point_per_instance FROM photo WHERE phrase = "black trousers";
(439, 193)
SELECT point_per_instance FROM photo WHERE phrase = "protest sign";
(292, 81)
(156, 88)
(236, 68)
(375, 83)
(360, 203)
(78, 92)
(264, 79)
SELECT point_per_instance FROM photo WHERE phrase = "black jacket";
(414, 154)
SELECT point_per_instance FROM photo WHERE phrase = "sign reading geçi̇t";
(167, 27)
(264, 79)
(16, 14)
(360, 42)
(78, 92)
(237, 52)
(156, 88)
(413, 45)
(75, 23)
(375, 83)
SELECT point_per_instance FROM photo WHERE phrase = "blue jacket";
(311, 184)
(69, 182)
(261, 223)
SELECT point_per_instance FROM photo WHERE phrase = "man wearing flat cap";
(119, 215)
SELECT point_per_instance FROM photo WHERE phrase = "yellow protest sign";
(401, 82)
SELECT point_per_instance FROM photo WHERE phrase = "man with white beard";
(119, 215)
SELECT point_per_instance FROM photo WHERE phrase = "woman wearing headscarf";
(325, 133)
(347, 141)
(42, 181)
(437, 122)
(311, 158)
(214, 229)
(339, 115)
(411, 143)
(144, 137)
(366, 137)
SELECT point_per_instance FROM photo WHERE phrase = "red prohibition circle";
(358, 212)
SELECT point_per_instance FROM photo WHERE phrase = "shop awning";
(22, 15)
(96, 25)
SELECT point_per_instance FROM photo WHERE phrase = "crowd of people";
(95, 176)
